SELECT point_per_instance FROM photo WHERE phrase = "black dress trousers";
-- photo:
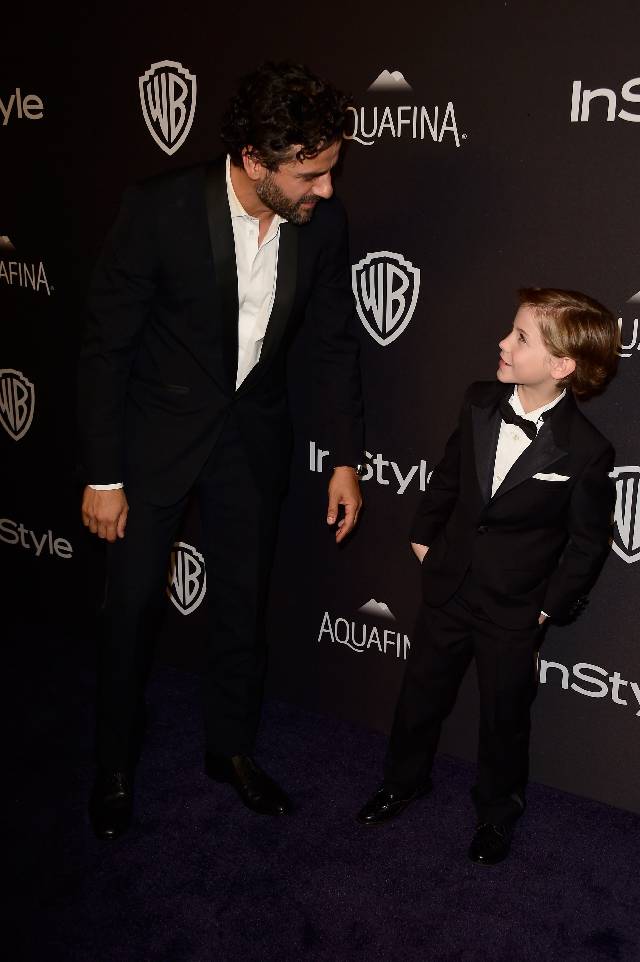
(239, 520)
(446, 639)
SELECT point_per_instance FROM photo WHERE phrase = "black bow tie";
(509, 415)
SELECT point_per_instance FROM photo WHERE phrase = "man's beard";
(271, 195)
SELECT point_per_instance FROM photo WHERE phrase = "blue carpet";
(200, 879)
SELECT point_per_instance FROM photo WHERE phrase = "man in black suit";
(198, 293)
(512, 531)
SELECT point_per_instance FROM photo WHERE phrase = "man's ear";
(561, 367)
(253, 166)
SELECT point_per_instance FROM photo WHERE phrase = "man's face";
(524, 358)
(295, 188)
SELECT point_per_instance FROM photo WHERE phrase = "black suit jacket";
(158, 365)
(536, 544)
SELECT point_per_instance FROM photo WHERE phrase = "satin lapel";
(282, 302)
(539, 455)
(486, 428)
(224, 259)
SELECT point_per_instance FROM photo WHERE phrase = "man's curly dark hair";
(279, 105)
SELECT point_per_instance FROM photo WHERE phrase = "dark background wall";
(525, 183)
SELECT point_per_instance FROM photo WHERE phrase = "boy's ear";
(562, 367)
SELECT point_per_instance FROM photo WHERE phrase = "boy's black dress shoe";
(111, 804)
(490, 844)
(256, 790)
(389, 802)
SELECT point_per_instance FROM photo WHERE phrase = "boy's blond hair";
(577, 326)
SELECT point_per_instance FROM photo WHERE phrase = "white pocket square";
(551, 477)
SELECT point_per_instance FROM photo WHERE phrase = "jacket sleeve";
(589, 525)
(336, 348)
(120, 294)
(442, 493)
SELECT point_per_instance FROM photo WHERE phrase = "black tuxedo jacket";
(158, 365)
(536, 544)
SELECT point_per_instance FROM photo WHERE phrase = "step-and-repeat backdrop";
(491, 145)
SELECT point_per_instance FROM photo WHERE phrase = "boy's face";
(524, 358)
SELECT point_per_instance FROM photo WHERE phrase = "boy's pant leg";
(440, 653)
(507, 680)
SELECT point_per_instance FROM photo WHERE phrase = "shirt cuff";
(107, 487)
(545, 614)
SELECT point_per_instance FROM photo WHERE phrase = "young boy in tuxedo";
(511, 533)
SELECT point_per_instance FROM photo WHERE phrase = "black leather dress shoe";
(389, 802)
(111, 804)
(490, 844)
(256, 790)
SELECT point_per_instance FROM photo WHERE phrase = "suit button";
(482, 528)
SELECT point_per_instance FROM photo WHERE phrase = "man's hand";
(105, 512)
(542, 618)
(344, 488)
(419, 551)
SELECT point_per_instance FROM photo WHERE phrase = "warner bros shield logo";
(386, 288)
(626, 540)
(168, 97)
(17, 403)
(187, 578)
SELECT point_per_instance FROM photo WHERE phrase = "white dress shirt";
(512, 441)
(257, 269)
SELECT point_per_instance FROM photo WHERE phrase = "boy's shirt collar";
(535, 415)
